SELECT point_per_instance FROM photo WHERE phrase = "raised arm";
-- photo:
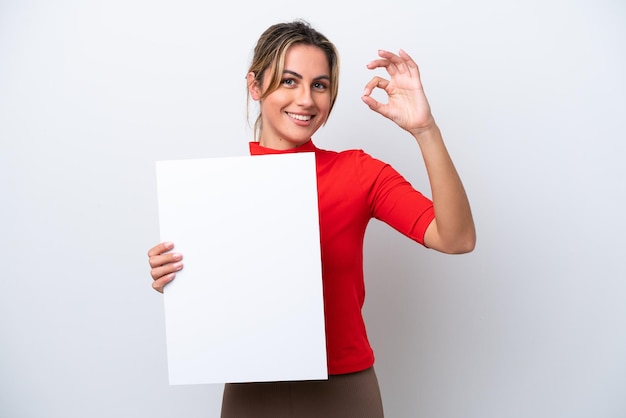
(452, 231)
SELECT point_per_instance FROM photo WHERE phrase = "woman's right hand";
(163, 264)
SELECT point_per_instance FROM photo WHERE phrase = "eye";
(318, 85)
(288, 81)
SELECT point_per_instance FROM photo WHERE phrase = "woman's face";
(292, 113)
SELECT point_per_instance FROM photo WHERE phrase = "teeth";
(299, 117)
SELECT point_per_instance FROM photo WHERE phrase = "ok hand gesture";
(407, 105)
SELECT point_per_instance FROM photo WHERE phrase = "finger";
(160, 248)
(373, 104)
(410, 63)
(390, 67)
(396, 61)
(160, 260)
(375, 82)
(390, 56)
(158, 285)
(378, 63)
(162, 271)
(402, 62)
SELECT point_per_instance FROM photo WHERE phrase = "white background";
(530, 96)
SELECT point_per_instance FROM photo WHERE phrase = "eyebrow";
(295, 74)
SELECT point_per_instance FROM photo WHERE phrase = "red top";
(354, 187)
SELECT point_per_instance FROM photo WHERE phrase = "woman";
(294, 77)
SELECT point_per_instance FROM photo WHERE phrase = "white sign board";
(248, 304)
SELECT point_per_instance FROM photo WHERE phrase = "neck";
(280, 144)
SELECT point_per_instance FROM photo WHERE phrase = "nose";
(304, 97)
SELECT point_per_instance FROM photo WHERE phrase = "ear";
(253, 86)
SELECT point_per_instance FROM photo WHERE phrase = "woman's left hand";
(452, 231)
(407, 105)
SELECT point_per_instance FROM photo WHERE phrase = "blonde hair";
(271, 49)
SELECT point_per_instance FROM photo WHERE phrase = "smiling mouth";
(304, 118)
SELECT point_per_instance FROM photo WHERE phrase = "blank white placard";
(248, 305)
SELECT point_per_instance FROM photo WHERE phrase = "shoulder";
(352, 166)
(354, 156)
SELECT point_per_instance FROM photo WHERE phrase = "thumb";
(372, 103)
